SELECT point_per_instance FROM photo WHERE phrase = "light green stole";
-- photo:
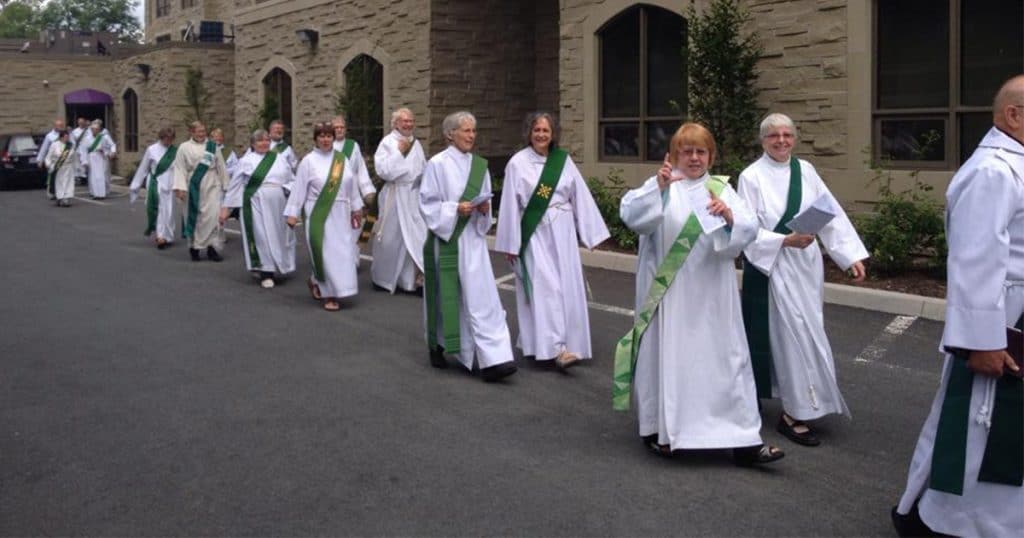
(629, 345)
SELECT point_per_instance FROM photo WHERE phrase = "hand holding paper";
(481, 199)
(699, 199)
(815, 217)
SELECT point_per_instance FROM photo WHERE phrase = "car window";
(22, 144)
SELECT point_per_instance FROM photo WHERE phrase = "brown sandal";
(314, 290)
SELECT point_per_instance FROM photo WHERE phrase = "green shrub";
(608, 193)
(907, 230)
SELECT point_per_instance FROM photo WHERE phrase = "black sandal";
(788, 429)
(756, 455)
(651, 443)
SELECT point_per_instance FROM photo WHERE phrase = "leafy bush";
(607, 193)
(907, 231)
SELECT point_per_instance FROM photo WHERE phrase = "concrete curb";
(890, 302)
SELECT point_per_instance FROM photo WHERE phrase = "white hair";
(454, 120)
(97, 124)
(258, 134)
(774, 121)
(397, 115)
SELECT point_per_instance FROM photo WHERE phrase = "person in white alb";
(95, 152)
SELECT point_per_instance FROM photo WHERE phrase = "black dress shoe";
(911, 524)
(437, 359)
(213, 255)
(498, 372)
(194, 253)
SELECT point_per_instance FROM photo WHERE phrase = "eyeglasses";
(784, 136)
(700, 152)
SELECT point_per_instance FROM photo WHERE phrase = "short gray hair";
(454, 120)
(396, 115)
(97, 123)
(776, 120)
(257, 135)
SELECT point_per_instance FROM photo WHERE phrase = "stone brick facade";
(179, 17)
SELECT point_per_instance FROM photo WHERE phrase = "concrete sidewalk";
(889, 302)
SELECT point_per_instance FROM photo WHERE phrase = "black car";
(18, 167)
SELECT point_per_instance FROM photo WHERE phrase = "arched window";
(277, 99)
(362, 101)
(131, 120)
(642, 97)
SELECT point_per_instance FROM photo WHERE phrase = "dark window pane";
(972, 129)
(913, 53)
(659, 134)
(620, 140)
(913, 140)
(620, 66)
(992, 48)
(665, 39)
(363, 100)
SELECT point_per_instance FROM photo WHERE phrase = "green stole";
(52, 173)
(193, 187)
(629, 345)
(78, 139)
(96, 142)
(152, 196)
(255, 180)
(1002, 462)
(536, 208)
(281, 148)
(754, 294)
(321, 209)
(441, 278)
(347, 147)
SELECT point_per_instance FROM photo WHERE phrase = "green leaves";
(607, 193)
(25, 18)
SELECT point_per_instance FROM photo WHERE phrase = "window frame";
(950, 114)
(161, 8)
(364, 134)
(643, 119)
(269, 88)
(130, 102)
(185, 4)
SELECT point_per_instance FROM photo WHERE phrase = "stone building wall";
(394, 33)
(34, 87)
(496, 59)
(179, 17)
(162, 97)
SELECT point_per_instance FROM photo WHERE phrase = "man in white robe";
(44, 151)
(77, 135)
(398, 235)
(355, 155)
(483, 333)
(985, 231)
(787, 339)
(95, 152)
(151, 159)
(203, 193)
(59, 164)
(278, 144)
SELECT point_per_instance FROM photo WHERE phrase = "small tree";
(196, 95)
(721, 62)
(268, 112)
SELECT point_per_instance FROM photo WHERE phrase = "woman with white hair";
(783, 279)
(464, 313)
(97, 149)
(258, 189)
(155, 175)
(398, 235)
(546, 212)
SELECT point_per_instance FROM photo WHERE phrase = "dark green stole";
(96, 142)
(78, 139)
(441, 278)
(536, 207)
(152, 196)
(255, 180)
(52, 173)
(321, 209)
(1002, 462)
(193, 187)
(347, 147)
(628, 347)
(281, 148)
(755, 293)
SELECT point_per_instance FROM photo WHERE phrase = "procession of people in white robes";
(397, 238)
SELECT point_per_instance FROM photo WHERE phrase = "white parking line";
(879, 346)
